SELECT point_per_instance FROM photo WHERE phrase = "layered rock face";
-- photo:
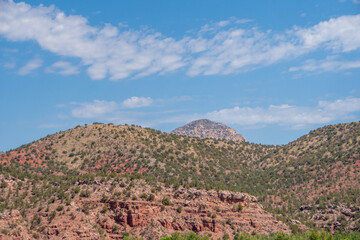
(204, 212)
(205, 128)
(112, 211)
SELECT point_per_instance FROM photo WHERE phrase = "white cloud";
(287, 115)
(122, 112)
(106, 50)
(340, 34)
(328, 65)
(236, 50)
(211, 27)
(137, 102)
(341, 106)
(30, 66)
(95, 109)
(219, 48)
(108, 110)
(63, 67)
(244, 20)
(214, 26)
(283, 115)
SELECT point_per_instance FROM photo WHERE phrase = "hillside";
(205, 128)
(131, 149)
(111, 208)
(318, 177)
(314, 179)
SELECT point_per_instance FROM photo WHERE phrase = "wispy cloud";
(95, 109)
(224, 47)
(236, 50)
(137, 102)
(339, 34)
(283, 115)
(107, 110)
(30, 66)
(215, 26)
(126, 111)
(106, 51)
(63, 68)
(288, 115)
(328, 65)
(9, 65)
(10, 50)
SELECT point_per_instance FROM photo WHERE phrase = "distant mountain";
(205, 128)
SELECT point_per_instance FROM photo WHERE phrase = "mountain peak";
(205, 128)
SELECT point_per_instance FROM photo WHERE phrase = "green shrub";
(60, 208)
(85, 193)
(52, 200)
(86, 208)
(52, 216)
(35, 221)
(179, 209)
(76, 189)
(150, 198)
(3, 184)
(104, 209)
(166, 201)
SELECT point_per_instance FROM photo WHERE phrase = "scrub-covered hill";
(314, 179)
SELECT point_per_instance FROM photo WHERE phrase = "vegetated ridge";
(205, 128)
(93, 207)
(313, 180)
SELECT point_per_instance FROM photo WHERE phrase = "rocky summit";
(205, 128)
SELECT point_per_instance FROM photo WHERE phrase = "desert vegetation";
(312, 181)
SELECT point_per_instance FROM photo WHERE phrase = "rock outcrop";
(204, 212)
(107, 215)
(205, 128)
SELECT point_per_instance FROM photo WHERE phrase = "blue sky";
(272, 70)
